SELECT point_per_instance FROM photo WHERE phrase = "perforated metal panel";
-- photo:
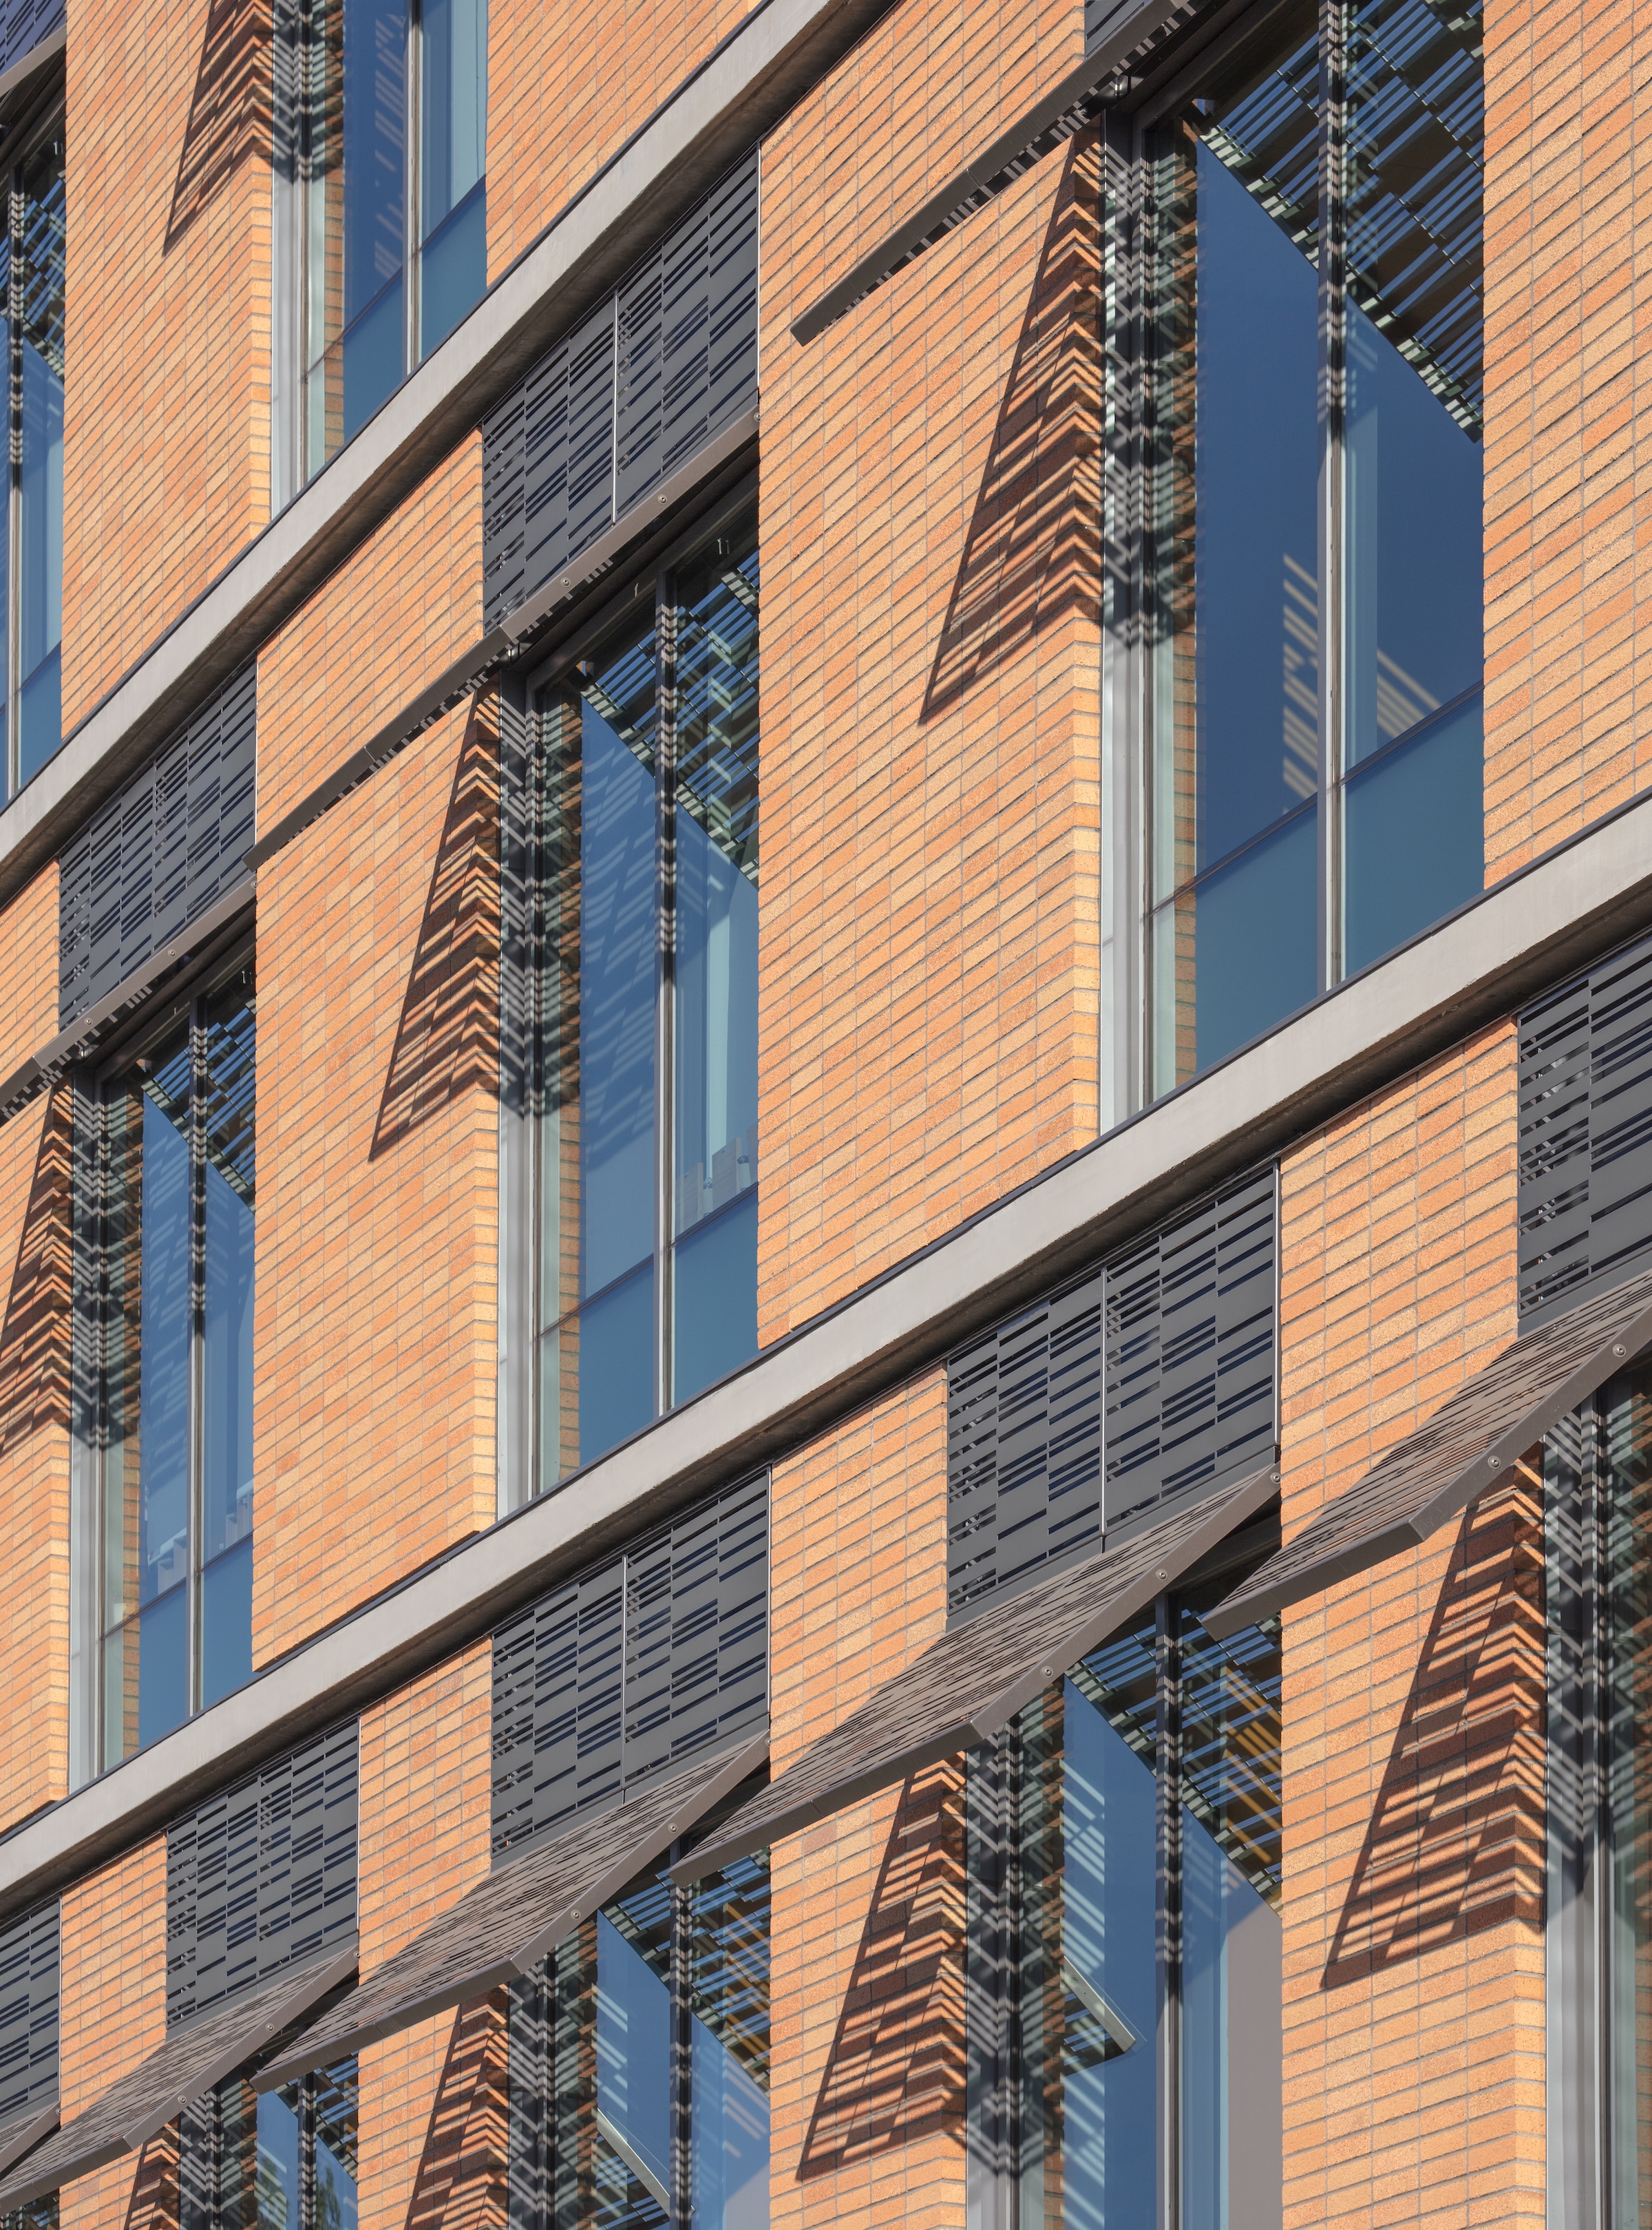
(1586, 1116)
(262, 1876)
(171, 844)
(24, 23)
(28, 1974)
(1146, 1381)
(647, 379)
(628, 1670)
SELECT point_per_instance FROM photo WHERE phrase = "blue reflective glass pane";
(278, 2188)
(373, 137)
(714, 1313)
(1110, 2017)
(731, 2140)
(1252, 925)
(452, 274)
(40, 309)
(1414, 833)
(337, 2108)
(39, 715)
(1413, 511)
(369, 360)
(163, 1367)
(227, 1623)
(729, 2050)
(1256, 516)
(228, 1116)
(633, 2060)
(617, 989)
(716, 1026)
(1230, 2028)
(162, 1665)
(616, 1363)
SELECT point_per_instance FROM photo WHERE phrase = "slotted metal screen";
(1585, 1134)
(153, 860)
(28, 1976)
(262, 1876)
(1146, 1382)
(631, 1669)
(665, 362)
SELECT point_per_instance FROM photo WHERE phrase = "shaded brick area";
(1414, 2048)
(930, 665)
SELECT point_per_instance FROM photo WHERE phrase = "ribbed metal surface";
(28, 1974)
(1585, 1136)
(632, 1668)
(153, 860)
(262, 1877)
(1433, 1474)
(647, 379)
(24, 23)
(977, 1676)
(1147, 1381)
(511, 1918)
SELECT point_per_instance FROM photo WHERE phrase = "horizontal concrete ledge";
(1478, 965)
(738, 94)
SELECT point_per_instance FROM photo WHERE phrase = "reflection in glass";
(40, 282)
(728, 1962)
(453, 154)
(271, 2160)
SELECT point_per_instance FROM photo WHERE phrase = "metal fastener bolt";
(1493, 1463)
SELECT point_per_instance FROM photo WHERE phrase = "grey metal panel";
(29, 1980)
(190, 2061)
(1434, 1473)
(1191, 1351)
(1585, 1138)
(25, 24)
(974, 1679)
(506, 1922)
(658, 370)
(696, 1634)
(20, 2132)
(632, 1667)
(263, 1876)
(159, 854)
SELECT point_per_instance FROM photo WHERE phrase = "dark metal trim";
(476, 668)
(99, 1024)
(1059, 115)
(24, 2131)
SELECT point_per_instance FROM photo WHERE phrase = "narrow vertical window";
(177, 1174)
(272, 2160)
(1313, 412)
(647, 1061)
(31, 553)
(391, 202)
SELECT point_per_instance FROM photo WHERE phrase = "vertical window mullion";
(1332, 507)
(1168, 1917)
(412, 77)
(665, 978)
(681, 2101)
(197, 1339)
(14, 490)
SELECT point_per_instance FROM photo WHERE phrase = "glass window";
(638, 2063)
(175, 1153)
(393, 198)
(275, 2159)
(1121, 1943)
(1317, 573)
(647, 1272)
(32, 250)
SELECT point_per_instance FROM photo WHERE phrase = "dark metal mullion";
(1332, 490)
(665, 972)
(1168, 1916)
(682, 2059)
(14, 489)
(1603, 1856)
(197, 1341)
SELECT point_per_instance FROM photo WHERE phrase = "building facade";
(826, 1116)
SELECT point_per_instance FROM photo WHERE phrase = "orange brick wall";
(167, 404)
(432, 2131)
(377, 1298)
(1567, 95)
(930, 654)
(866, 1974)
(1414, 2047)
(113, 2016)
(565, 90)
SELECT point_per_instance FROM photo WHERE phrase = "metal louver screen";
(1585, 1134)
(168, 846)
(28, 1974)
(641, 383)
(1145, 1384)
(630, 1670)
(24, 24)
(262, 1876)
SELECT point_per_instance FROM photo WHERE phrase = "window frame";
(1137, 697)
(95, 1213)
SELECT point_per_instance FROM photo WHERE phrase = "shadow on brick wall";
(229, 110)
(460, 2181)
(34, 1335)
(153, 2204)
(1456, 1839)
(896, 2070)
(447, 1038)
(1031, 557)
